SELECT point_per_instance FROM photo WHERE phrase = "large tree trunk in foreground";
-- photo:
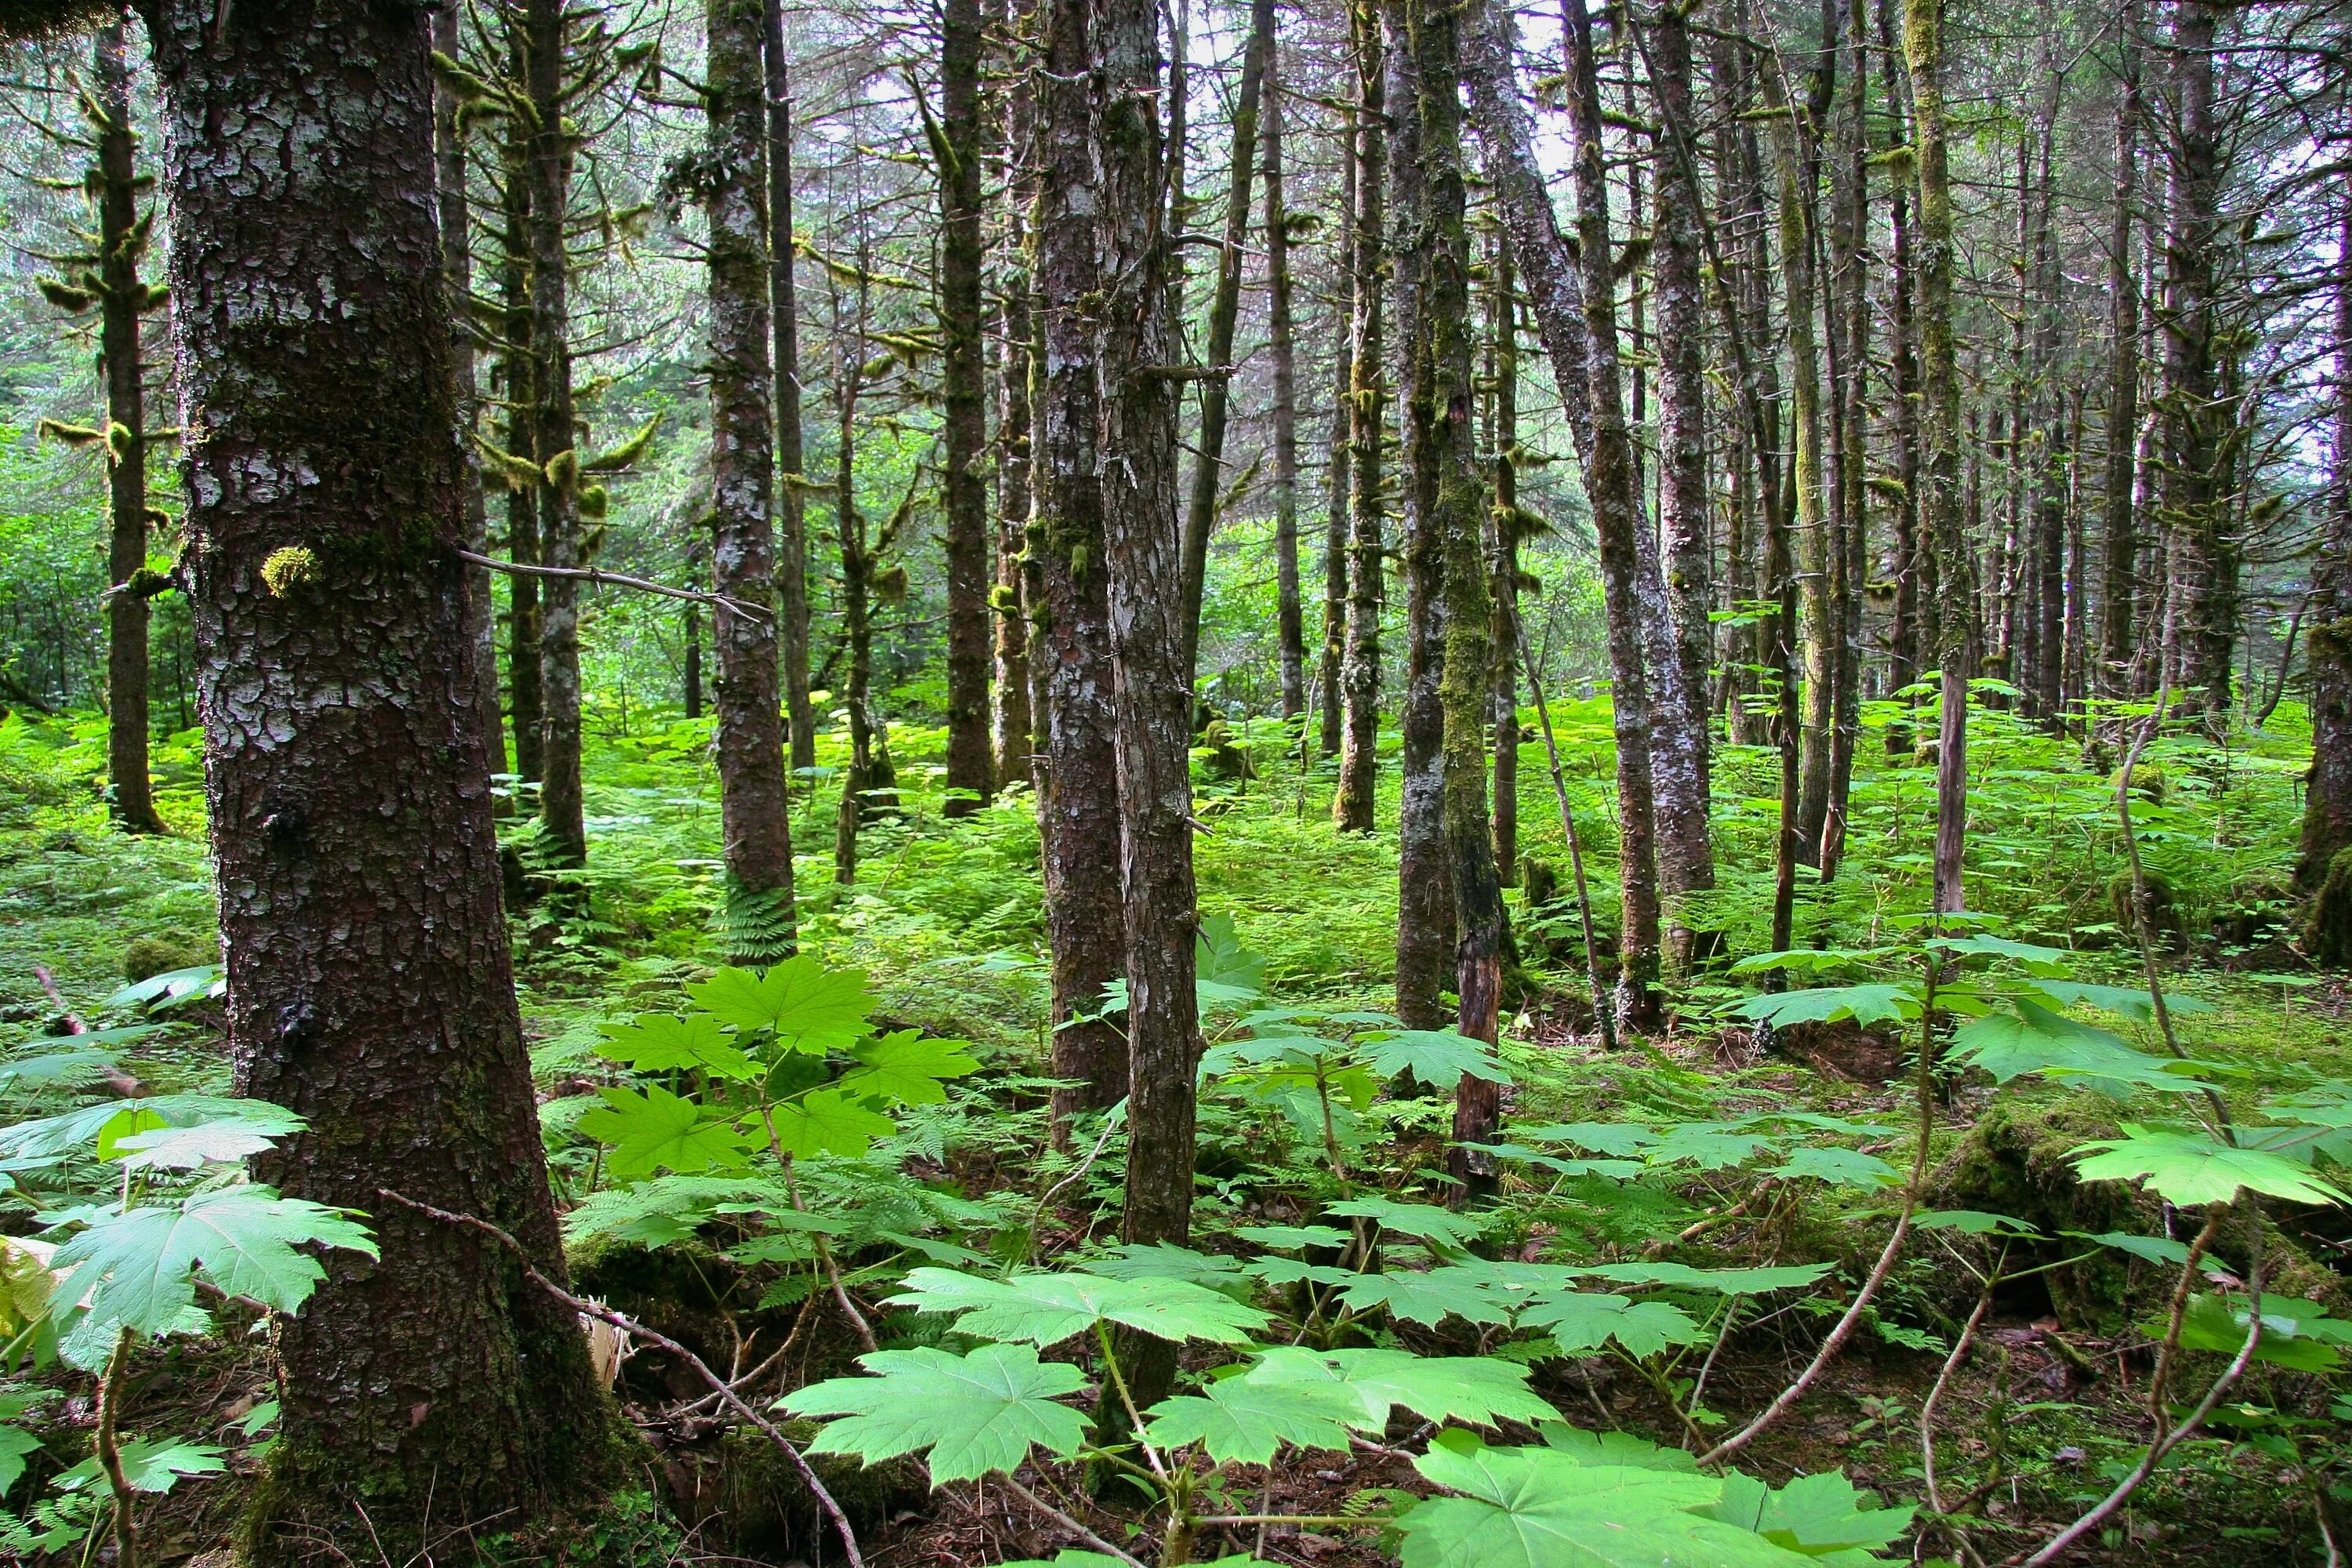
(972, 769)
(348, 784)
(783, 309)
(2328, 806)
(755, 800)
(124, 366)
(1143, 549)
(1078, 811)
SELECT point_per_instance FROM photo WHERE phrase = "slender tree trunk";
(1425, 944)
(1014, 716)
(1848, 312)
(972, 770)
(1224, 311)
(754, 790)
(562, 808)
(1616, 520)
(1441, 475)
(122, 299)
(1923, 52)
(1143, 549)
(519, 378)
(2120, 530)
(783, 317)
(1337, 477)
(1683, 512)
(1360, 676)
(2328, 800)
(348, 785)
(2205, 561)
(863, 775)
(1914, 564)
(1289, 618)
(1508, 527)
(1079, 800)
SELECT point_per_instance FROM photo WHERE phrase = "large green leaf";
(1224, 969)
(1728, 1281)
(654, 1130)
(1475, 1389)
(1046, 1309)
(1439, 1058)
(74, 1130)
(828, 1122)
(151, 1465)
(811, 1007)
(1443, 1227)
(1815, 1515)
(2295, 1334)
(15, 1444)
(1237, 1419)
(1539, 1508)
(2192, 1168)
(138, 1267)
(1866, 1004)
(658, 1042)
(1588, 1321)
(1431, 1298)
(1839, 1167)
(905, 1067)
(2129, 1001)
(186, 1148)
(2033, 1038)
(976, 1412)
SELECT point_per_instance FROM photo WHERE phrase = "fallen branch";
(617, 580)
(702, 1369)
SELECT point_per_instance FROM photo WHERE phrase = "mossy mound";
(2014, 1161)
(144, 957)
(2158, 906)
(743, 1495)
(2328, 926)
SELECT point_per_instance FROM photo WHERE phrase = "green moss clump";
(144, 957)
(2328, 928)
(2014, 1161)
(743, 1495)
(288, 569)
(2158, 906)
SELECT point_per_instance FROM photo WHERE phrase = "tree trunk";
(1338, 478)
(1914, 564)
(972, 770)
(2328, 801)
(1923, 52)
(1143, 549)
(1289, 618)
(1425, 947)
(783, 316)
(1505, 531)
(1225, 311)
(517, 377)
(863, 777)
(1360, 676)
(1617, 522)
(1079, 805)
(755, 791)
(122, 299)
(2120, 531)
(348, 785)
(1012, 714)
(1848, 313)
(562, 807)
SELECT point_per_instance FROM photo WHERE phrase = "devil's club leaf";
(657, 1042)
(976, 1412)
(1587, 1322)
(1814, 1515)
(904, 1067)
(1868, 1004)
(1437, 1388)
(1239, 1419)
(828, 1122)
(137, 1268)
(1046, 1309)
(812, 1008)
(2190, 1168)
(653, 1130)
(1438, 1057)
(1426, 1298)
(68, 1133)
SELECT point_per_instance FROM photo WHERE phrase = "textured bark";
(1682, 514)
(1086, 922)
(2328, 800)
(1617, 523)
(783, 315)
(1425, 914)
(1143, 549)
(972, 769)
(561, 809)
(1848, 313)
(866, 772)
(1504, 533)
(754, 794)
(1923, 53)
(1440, 473)
(1360, 675)
(1224, 311)
(121, 301)
(2204, 559)
(1338, 478)
(516, 377)
(1913, 565)
(1013, 716)
(2120, 522)
(1289, 619)
(1816, 626)
(348, 785)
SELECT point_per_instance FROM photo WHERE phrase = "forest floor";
(945, 918)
